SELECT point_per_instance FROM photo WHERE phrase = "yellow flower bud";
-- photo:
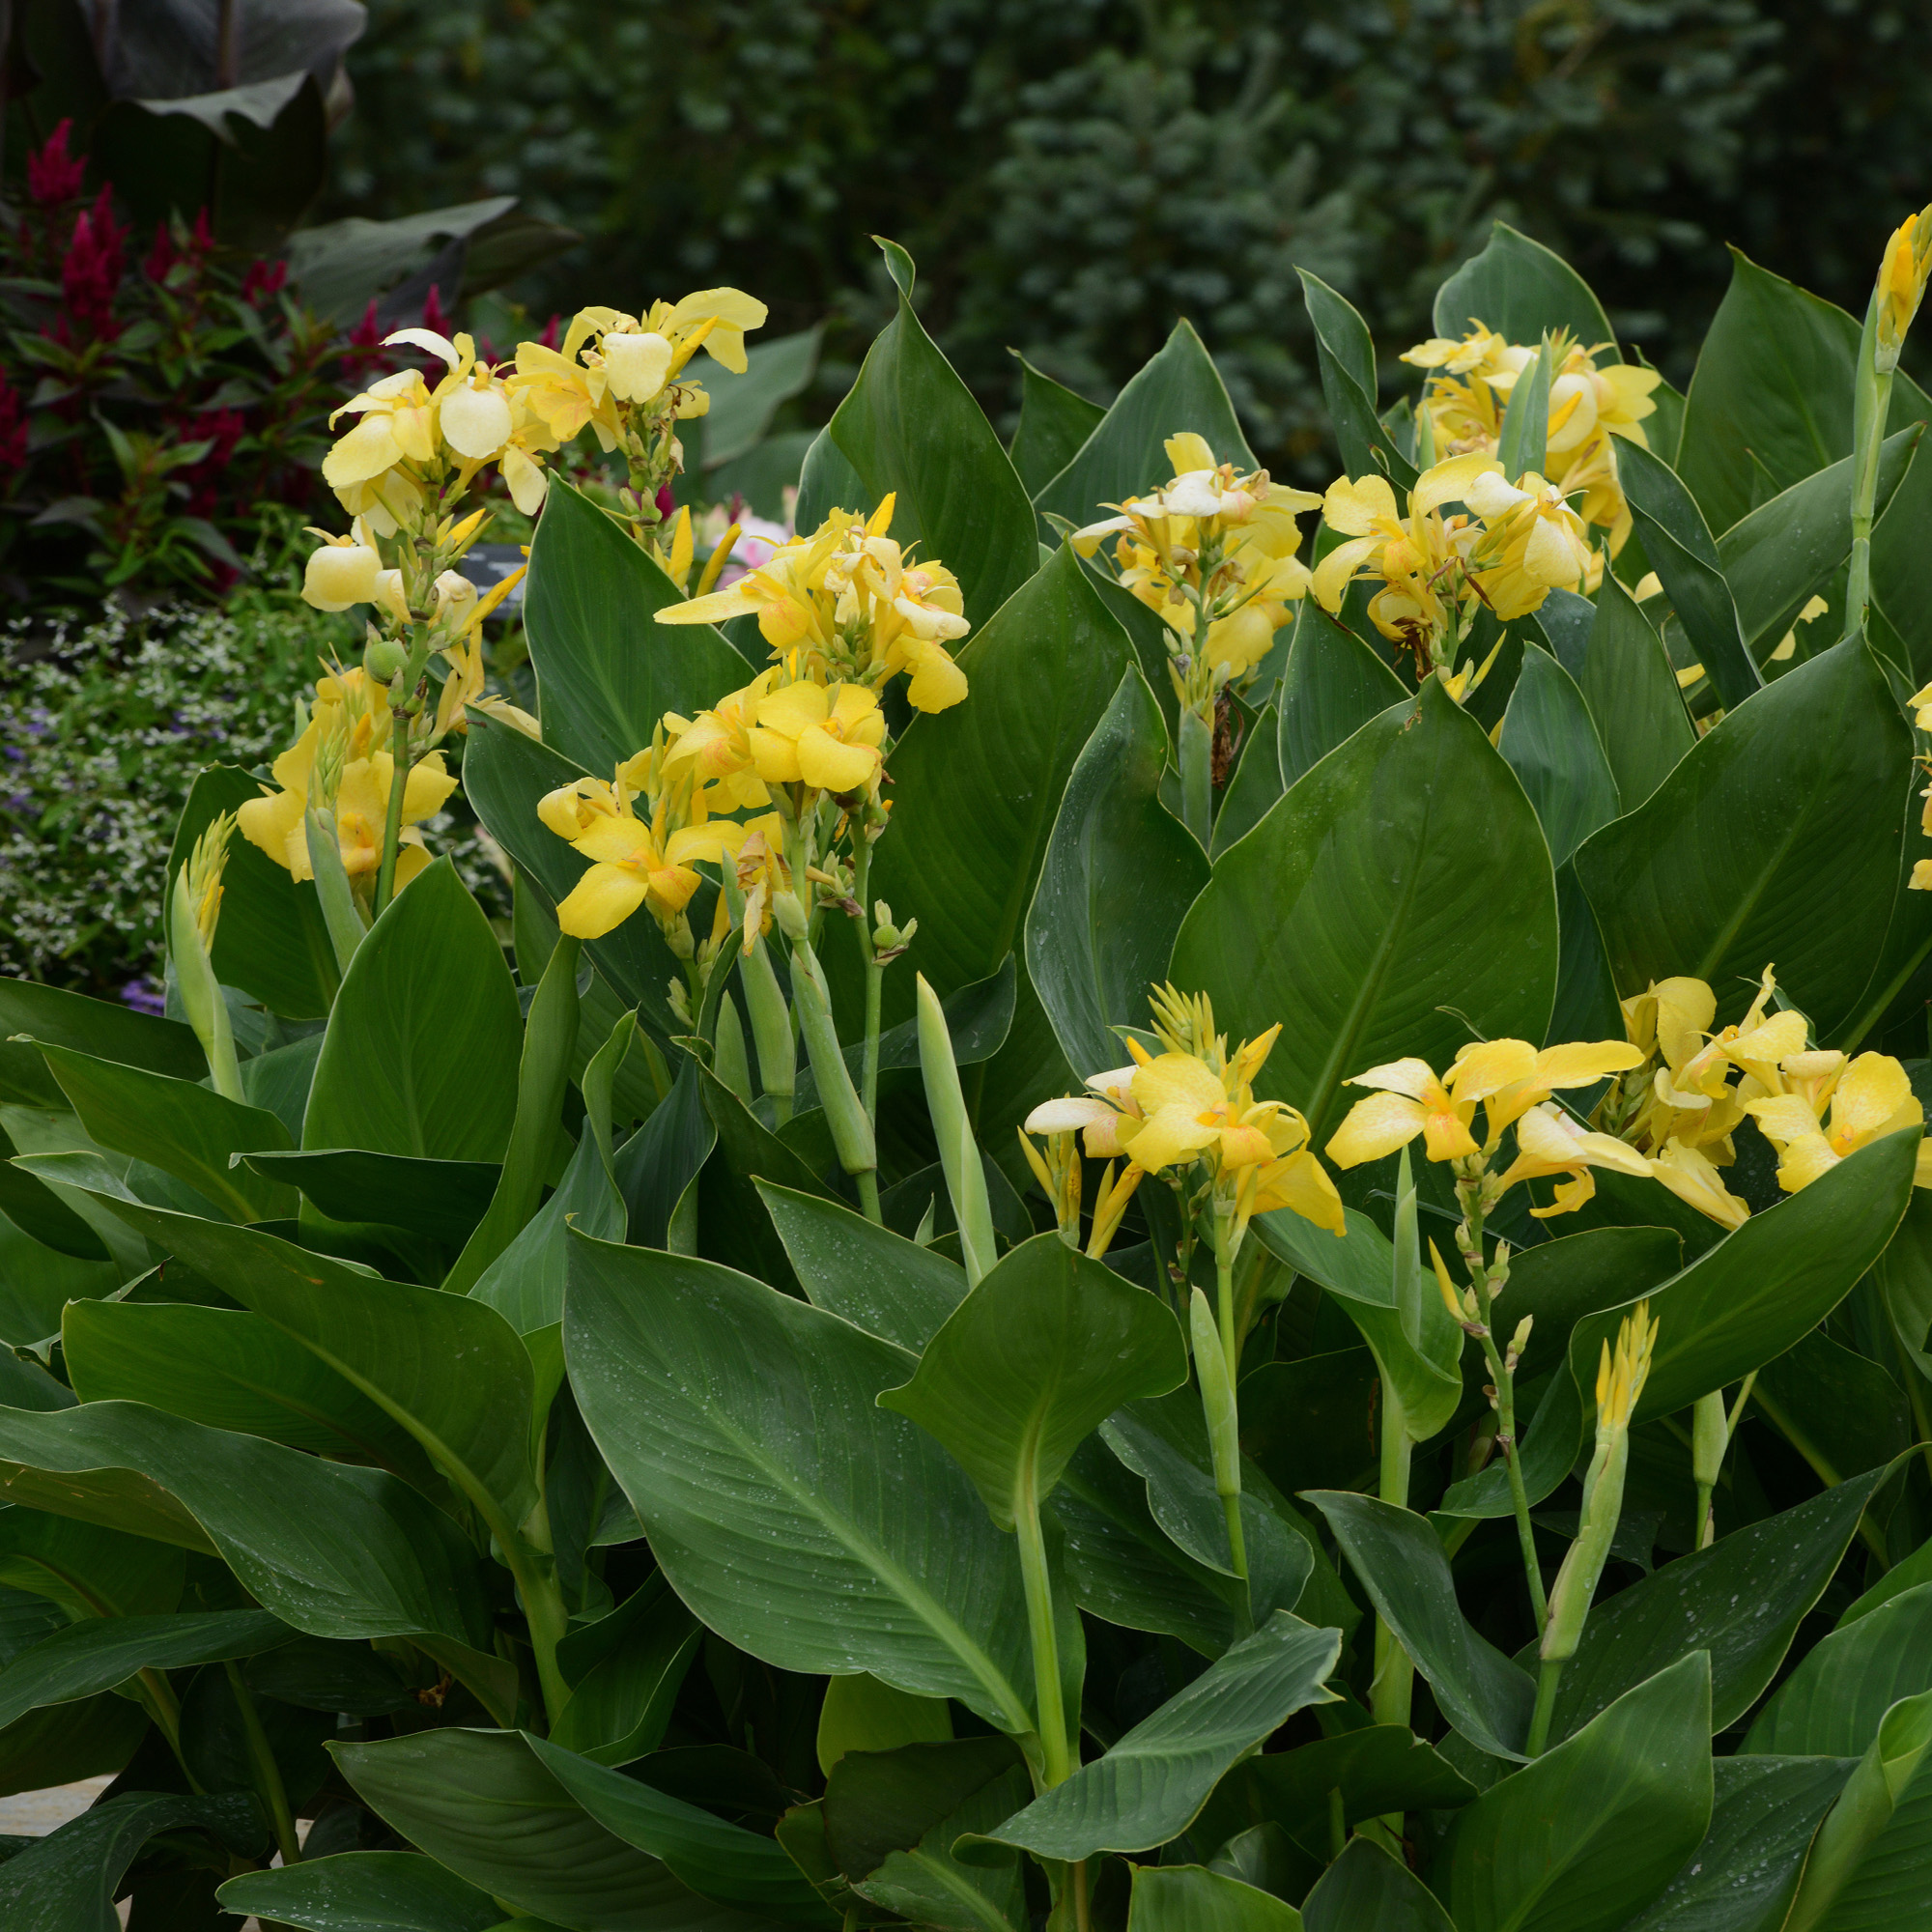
(340, 575)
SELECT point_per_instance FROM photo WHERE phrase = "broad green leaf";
(1310, 1422)
(1901, 574)
(232, 1370)
(1740, 1600)
(1191, 1898)
(663, 1158)
(1831, 1704)
(1632, 694)
(1054, 423)
(877, 1803)
(1773, 842)
(1771, 402)
(607, 670)
(1256, 783)
(720, 1862)
(1399, 1561)
(1127, 1569)
(37, 1282)
(1549, 742)
(742, 406)
(364, 1891)
(39, 1215)
(1404, 873)
(1334, 685)
(1148, 1786)
(440, 1199)
(100, 1652)
(911, 428)
(317, 1674)
(625, 1671)
(1378, 1770)
(1566, 621)
(1678, 542)
(1784, 552)
(420, 1057)
(333, 1550)
(185, 1129)
(1032, 1362)
(272, 942)
(860, 1550)
(1179, 388)
(1414, 1343)
(1366, 1891)
(67, 1882)
(872, 1277)
(1522, 441)
(1842, 1410)
(1119, 874)
(87, 1570)
(482, 1803)
(1595, 1829)
(1587, 996)
(1763, 1815)
(733, 1228)
(104, 1027)
(860, 1714)
(1521, 288)
(927, 1885)
(505, 774)
(65, 1743)
(392, 1343)
(1735, 1307)
(1348, 362)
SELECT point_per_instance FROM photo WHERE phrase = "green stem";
(1196, 775)
(1050, 1703)
(1545, 1704)
(1224, 1442)
(549, 1622)
(875, 973)
(392, 821)
(1871, 397)
(269, 1785)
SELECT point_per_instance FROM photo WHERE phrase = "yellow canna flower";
(396, 422)
(718, 744)
(1579, 1064)
(1409, 1100)
(1621, 1376)
(1549, 1142)
(826, 736)
(1534, 543)
(1901, 285)
(1695, 1180)
(343, 572)
(1871, 1098)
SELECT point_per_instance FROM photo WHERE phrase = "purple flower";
(145, 997)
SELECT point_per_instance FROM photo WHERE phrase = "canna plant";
(898, 1349)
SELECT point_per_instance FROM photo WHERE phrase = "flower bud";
(383, 659)
(340, 575)
(453, 597)
(790, 915)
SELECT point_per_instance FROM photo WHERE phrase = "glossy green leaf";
(1832, 1703)
(1632, 690)
(911, 427)
(1150, 1783)
(55, 1017)
(65, 1743)
(1763, 1815)
(1740, 1304)
(87, 1570)
(1774, 839)
(67, 1882)
(440, 1199)
(1256, 783)
(927, 1885)
(1399, 1560)
(1191, 1898)
(733, 1227)
(333, 1550)
(1119, 874)
(39, 1215)
(1032, 1362)
(1406, 872)
(607, 670)
(364, 1891)
(273, 942)
(231, 1369)
(420, 1057)
(1740, 1600)
(860, 1714)
(1518, 287)
(1346, 357)
(1179, 388)
(185, 1129)
(1054, 423)
(1784, 552)
(1310, 1423)
(1549, 742)
(863, 1551)
(1522, 441)
(1595, 1829)
(867, 1274)
(1560, 1281)
(720, 1862)
(1378, 1770)
(101, 1652)
(1366, 1891)
(1841, 1410)
(1678, 542)
(505, 774)
(483, 1804)
(626, 1670)
(655, 1166)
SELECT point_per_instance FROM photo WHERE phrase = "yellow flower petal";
(602, 899)
(832, 765)
(1376, 1126)
(1302, 1183)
